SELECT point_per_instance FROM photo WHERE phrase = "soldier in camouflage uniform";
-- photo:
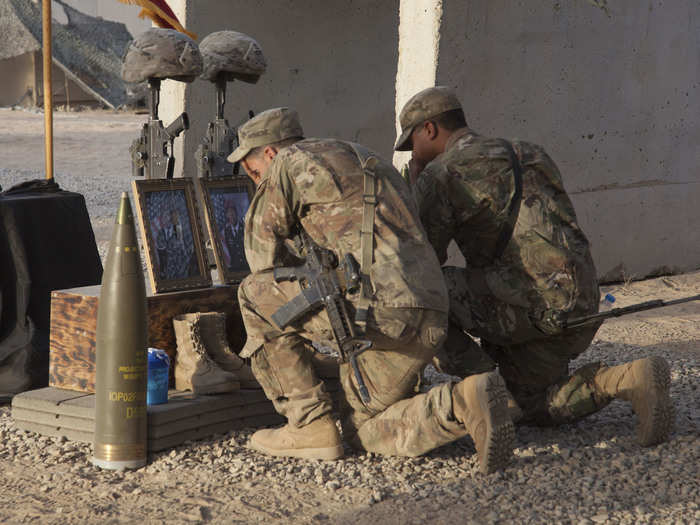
(528, 267)
(317, 184)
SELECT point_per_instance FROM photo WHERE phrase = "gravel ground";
(590, 472)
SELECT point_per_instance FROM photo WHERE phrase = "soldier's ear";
(270, 152)
(431, 129)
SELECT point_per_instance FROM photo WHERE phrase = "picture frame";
(171, 234)
(226, 202)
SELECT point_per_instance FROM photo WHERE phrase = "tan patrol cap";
(266, 128)
(422, 106)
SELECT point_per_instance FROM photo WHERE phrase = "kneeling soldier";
(529, 267)
(326, 192)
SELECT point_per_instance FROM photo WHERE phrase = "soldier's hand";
(415, 167)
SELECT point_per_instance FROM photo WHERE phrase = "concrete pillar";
(419, 45)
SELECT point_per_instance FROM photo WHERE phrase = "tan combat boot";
(480, 402)
(319, 439)
(213, 331)
(644, 383)
(194, 369)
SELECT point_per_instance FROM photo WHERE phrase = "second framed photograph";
(170, 232)
(226, 201)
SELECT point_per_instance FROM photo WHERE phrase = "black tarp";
(46, 243)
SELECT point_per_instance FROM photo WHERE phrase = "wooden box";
(74, 326)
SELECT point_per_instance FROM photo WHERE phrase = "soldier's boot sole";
(653, 406)
(494, 433)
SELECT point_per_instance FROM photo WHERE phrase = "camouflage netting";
(232, 53)
(162, 53)
(88, 49)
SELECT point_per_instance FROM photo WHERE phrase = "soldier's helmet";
(233, 54)
(161, 53)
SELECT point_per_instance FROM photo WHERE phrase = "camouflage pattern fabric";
(319, 183)
(464, 195)
(272, 125)
(161, 53)
(511, 301)
(534, 365)
(232, 52)
(420, 107)
(396, 421)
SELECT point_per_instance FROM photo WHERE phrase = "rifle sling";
(368, 162)
(513, 207)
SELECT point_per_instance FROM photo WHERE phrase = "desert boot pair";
(205, 363)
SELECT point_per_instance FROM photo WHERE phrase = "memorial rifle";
(150, 155)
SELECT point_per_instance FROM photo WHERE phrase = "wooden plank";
(209, 430)
(175, 409)
(180, 405)
(249, 413)
(158, 444)
(55, 431)
(72, 341)
(54, 420)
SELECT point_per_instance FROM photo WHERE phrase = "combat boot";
(480, 403)
(644, 383)
(213, 330)
(319, 439)
(194, 369)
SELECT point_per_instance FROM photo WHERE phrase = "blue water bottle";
(607, 302)
(158, 373)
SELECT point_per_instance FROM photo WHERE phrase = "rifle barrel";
(618, 312)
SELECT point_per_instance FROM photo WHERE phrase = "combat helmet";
(235, 55)
(161, 53)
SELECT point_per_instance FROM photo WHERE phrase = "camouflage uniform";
(319, 184)
(511, 296)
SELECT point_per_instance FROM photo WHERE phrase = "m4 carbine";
(321, 288)
(152, 152)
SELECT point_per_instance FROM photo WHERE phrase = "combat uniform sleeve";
(436, 213)
(271, 218)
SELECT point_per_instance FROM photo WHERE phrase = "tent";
(87, 49)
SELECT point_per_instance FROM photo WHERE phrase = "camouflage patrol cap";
(266, 128)
(161, 53)
(422, 106)
(234, 54)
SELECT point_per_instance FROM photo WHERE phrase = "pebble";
(588, 472)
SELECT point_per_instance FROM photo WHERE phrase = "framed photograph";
(226, 201)
(171, 233)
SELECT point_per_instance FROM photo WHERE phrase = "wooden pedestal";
(74, 326)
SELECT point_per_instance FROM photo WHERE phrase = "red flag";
(161, 14)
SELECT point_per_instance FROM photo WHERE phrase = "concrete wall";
(335, 62)
(614, 99)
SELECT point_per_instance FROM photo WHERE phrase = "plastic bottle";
(158, 374)
(607, 302)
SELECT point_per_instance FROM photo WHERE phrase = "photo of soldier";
(171, 232)
(229, 206)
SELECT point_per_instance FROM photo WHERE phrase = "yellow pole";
(48, 91)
